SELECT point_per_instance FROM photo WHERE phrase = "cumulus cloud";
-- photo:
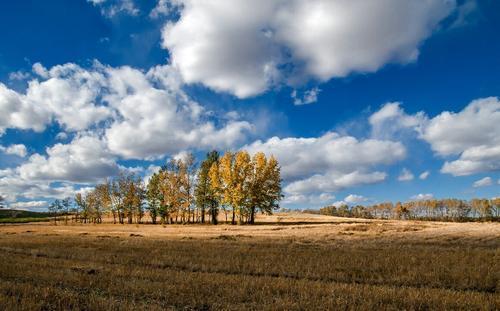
(110, 114)
(153, 122)
(17, 112)
(329, 163)
(422, 197)
(85, 159)
(67, 93)
(470, 134)
(391, 120)
(13, 186)
(262, 43)
(141, 114)
(478, 124)
(405, 175)
(483, 182)
(301, 157)
(17, 149)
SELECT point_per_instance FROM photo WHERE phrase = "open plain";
(285, 261)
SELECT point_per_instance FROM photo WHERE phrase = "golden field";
(286, 261)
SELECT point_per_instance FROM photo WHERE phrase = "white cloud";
(483, 182)
(355, 199)
(309, 97)
(471, 134)
(61, 136)
(141, 115)
(329, 163)
(163, 7)
(422, 197)
(476, 125)
(405, 175)
(424, 175)
(390, 120)
(85, 159)
(109, 113)
(302, 157)
(19, 75)
(67, 93)
(153, 122)
(16, 112)
(332, 182)
(17, 149)
(29, 205)
(13, 186)
(309, 200)
(277, 41)
(110, 8)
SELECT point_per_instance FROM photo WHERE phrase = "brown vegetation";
(287, 261)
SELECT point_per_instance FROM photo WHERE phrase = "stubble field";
(286, 262)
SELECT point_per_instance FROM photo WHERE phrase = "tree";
(265, 185)
(216, 190)
(80, 208)
(240, 193)
(495, 203)
(55, 208)
(204, 192)
(154, 196)
(2, 200)
(188, 184)
(66, 206)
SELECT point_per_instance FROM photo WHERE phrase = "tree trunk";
(252, 216)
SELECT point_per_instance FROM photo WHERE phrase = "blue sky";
(356, 106)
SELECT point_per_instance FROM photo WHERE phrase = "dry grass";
(286, 262)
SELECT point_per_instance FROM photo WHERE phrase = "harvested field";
(287, 261)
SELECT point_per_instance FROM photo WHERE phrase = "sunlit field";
(285, 261)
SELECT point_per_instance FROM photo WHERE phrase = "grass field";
(287, 261)
(20, 216)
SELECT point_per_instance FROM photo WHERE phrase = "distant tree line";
(446, 209)
(235, 184)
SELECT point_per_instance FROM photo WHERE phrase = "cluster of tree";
(180, 192)
(235, 184)
(121, 197)
(446, 209)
